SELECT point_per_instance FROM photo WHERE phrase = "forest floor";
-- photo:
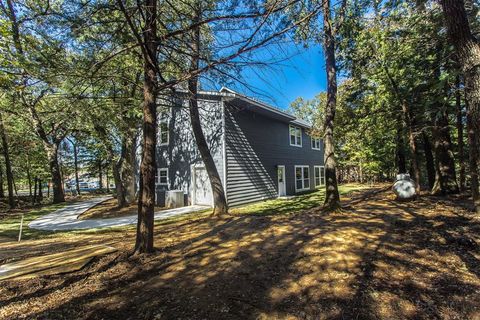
(108, 209)
(376, 259)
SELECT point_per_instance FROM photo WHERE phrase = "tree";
(332, 197)
(74, 144)
(467, 49)
(37, 78)
(459, 125)
(219, 199)
(149, 47)
(8, 165)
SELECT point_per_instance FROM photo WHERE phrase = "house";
(260, 152)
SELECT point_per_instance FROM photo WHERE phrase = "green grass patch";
(10, 224)
(295, 204)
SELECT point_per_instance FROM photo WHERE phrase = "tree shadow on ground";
(379, 260)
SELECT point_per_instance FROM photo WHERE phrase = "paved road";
(67, 218)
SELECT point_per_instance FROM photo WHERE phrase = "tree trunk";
(472, 135)
(128, 167)
(445, 176)
(29, 178)
(8, 165)
(219, 199)
(468, 53)
(146, 202)
(100, 177)
(108, 180)
(360, 172)
(2, 192)
(332, 197)
(460, 155)
(75, 163)
(409, 124)
(119, 190)
(40, 192)
(58, 193)
(413, 146)
(400, 149)
(15, 188)
(124, 170)
(429, 160)
(34, 200)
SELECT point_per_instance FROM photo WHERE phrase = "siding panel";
(182, 152)
(255, 145)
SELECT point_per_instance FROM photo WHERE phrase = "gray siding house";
(260, 151)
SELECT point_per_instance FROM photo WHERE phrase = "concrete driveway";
(67, 218)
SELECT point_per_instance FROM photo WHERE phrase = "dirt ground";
(109, 209)
(378, 259)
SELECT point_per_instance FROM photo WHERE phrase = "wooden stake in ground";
(21, 229)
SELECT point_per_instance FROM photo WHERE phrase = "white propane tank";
(404, 187)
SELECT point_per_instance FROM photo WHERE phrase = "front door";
(281, 181)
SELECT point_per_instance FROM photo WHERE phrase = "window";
(315, 143)
(302, 178)
(295, 136)
(163, 132)
(161, 177)
(319, 172)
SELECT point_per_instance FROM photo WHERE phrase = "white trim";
(192, 183)
(312, 140)
(224, 150)
(290, 136)
(157, 181)
(160, 133)
(303, 179)
(320, 184)
(284, 180)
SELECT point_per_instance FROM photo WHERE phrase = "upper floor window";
(161, 177)
(163, 132)
(295, 136)
(315, 143)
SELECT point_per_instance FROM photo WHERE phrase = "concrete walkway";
(67, 218)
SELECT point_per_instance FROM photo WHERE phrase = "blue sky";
(301, 75)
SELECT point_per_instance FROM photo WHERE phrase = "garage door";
(202, 188)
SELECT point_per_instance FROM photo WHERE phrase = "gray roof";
(268, 109)
(255, 105)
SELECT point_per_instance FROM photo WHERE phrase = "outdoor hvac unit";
(174, 199)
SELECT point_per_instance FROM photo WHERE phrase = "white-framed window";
(319, 175)
(163, 132)
(315, 143)
(295, 136)
(161, 178)
(302, 178)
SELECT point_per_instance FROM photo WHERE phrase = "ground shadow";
(378, 260)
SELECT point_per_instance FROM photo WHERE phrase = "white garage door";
(202, 188)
